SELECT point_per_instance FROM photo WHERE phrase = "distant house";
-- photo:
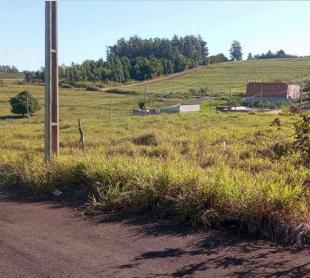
(274, 92)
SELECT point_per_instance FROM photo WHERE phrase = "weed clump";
(146, 140)
(92, 89)
(282, 149)
(302, 137)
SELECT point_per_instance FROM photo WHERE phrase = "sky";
(86, 28)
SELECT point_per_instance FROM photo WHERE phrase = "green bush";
(19, 103)
(203, 91)
(192, 91)
(302, 137)
(142, 104)
(265, 104)
(92, 88)
(66, 86)
(146, 139)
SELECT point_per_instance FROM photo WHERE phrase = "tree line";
(236, 54)
(137, 59)
(270, 55)
(10, 69)
(141, 59)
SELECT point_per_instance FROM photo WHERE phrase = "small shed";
(274, 92)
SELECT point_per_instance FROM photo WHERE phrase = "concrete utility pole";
(27, 103)
(51, 81)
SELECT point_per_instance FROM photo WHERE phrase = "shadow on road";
(220, 250)
(157, 247)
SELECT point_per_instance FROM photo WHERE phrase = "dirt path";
(170, 76)
(50, 240)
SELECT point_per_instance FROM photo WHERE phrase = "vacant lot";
(207, 168)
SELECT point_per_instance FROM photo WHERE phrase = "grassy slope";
(202, 167)
(7, 75)
(217, 77)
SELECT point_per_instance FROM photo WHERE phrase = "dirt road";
(47, 239)
(162, 78)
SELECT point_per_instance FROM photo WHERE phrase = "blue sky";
(86, 28)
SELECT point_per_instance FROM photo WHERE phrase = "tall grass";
(179, 188)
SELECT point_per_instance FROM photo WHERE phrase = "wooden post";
(27, 103)
(111, 112)
(301, 86)
(210, 98)
(51, 81)
(82, 139)
(230, 93)
(162, 93)
(145, 92)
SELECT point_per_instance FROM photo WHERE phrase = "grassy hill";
(9, 75)
(217, 77)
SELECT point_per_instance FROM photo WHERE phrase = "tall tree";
(250, 56)
(219, 58)
(11, 69)
(235, 51)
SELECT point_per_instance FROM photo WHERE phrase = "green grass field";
(203, 168)
(8, 75)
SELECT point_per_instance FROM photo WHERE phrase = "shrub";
(244, 103)
(19, 103)
(92, 88)
(66, 86)
(203, 91)
(282, 149)
(83, 84)
(146, 139)
(192, 91)
(307, 87)
(302, 137)
(265, 104)
(122, 92)
(142, 103)
(295, 109)
(276, 122)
